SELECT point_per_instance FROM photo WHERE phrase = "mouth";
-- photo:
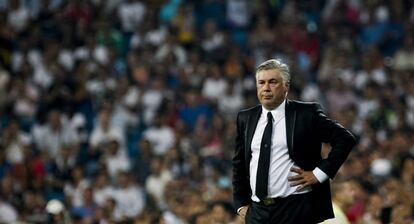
(267, 97)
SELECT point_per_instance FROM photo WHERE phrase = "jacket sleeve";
(241, 185)
(340, 139)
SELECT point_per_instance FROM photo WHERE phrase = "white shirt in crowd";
(161, 138)
(99, 136)
(130, 200)
(101, 195)
(214, 88)
(76, 192)
(8, 214)
(155, 185)
(52, 140)
(131, 15)
(117, 163)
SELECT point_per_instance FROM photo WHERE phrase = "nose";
(266, 86)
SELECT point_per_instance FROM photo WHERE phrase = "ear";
(287, 86)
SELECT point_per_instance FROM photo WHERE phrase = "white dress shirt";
(280, 161)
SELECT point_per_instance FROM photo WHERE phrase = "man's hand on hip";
(303, 178)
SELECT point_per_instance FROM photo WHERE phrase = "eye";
(273, 82)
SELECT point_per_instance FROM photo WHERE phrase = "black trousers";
(294, 209)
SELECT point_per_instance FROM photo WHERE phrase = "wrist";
(241, 208)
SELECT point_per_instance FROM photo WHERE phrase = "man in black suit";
(279, 175)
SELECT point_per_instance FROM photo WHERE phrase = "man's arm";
(241, 186)
(340, 139)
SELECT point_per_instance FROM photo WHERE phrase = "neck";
(269, 108)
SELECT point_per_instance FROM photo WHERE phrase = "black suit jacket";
(307, 127)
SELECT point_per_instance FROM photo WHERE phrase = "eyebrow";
(272, 79)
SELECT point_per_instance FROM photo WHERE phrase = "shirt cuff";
(238, 210)
(320, 175)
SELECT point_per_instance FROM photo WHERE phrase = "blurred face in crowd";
(113, 147)
(347, 193)
(156, 166)
(219, 214)
(104, 118)
(101, 181)
(375, 204)
(203, 219)
(271, 88)
(401, 214)
(191, 98)
(88, 196)
(123, 180)
(54, 119)
(13, 128)
(77, 174)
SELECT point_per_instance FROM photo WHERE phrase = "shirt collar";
(277, 112)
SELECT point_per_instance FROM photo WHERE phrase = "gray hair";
(278, 65)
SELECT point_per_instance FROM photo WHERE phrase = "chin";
(269, 106)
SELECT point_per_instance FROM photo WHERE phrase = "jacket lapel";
(250, 129)
(290, 114)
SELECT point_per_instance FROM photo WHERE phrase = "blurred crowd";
(123, 111)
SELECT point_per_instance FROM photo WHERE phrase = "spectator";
(15, 142)
(215, 85)
(18, 16)
(116, 161)
(105, 131)
(405, 55)
(343, 197)
(373, 210)
(54, 135)
(129, 197)
(232, 100)
(8, 213)
(156, 183)
(74, 189)
(85, 212)
(131, 14)
(194, 112)
(102, 190)
(160, 136)
(151, 100)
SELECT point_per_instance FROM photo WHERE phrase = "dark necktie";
(262, 176)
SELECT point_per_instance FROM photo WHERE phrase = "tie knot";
(269, 116)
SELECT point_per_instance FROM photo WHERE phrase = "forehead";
(269, 74)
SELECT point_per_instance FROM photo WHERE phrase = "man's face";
(271, 89)
(347, 194)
